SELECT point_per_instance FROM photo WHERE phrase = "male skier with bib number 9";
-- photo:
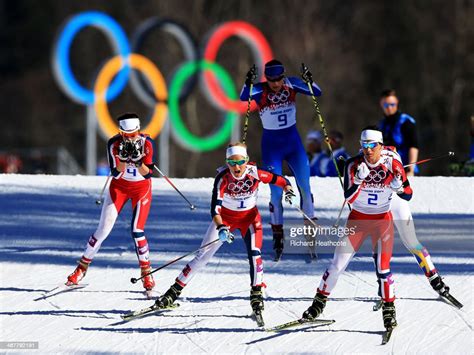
(276, 100)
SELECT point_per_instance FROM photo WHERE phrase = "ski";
(448, 298)
(258, 318)
(387, 334)
(60, 289)
(146, 311)
(301, 321)
(377, 305)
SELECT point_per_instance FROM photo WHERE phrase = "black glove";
(306, 74)
(290, 197)
(136, 154)
(123, 153)
(251, 75)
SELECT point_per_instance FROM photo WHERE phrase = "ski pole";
(448, 154)
(191, 206)
(304, 68)
(134, 280)
(246, 122)
(99, 200)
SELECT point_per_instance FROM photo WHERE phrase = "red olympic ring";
(259, 46)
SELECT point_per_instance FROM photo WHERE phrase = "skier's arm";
(116, 166)
(256, 94)
(301, 87)
(217, 197)
(146, 166)
(352, 181)
(274, 179)
(400, 180)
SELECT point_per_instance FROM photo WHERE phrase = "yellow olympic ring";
(158, 83)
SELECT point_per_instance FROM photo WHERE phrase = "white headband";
(371, 135)
(236, 150)
(129, 125)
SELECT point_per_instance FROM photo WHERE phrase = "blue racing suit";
(281, 140)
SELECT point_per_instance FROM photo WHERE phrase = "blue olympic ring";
(62, 68)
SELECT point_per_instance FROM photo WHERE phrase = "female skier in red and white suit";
(130, 155)
(233, 207)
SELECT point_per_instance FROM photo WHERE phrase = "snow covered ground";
(46, 220)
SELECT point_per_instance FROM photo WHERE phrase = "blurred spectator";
(39, 164)
(339, 152)
(10, 164)
(314, 151)
(103, 168)
(399, 130)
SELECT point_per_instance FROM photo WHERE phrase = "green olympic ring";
(186, 137)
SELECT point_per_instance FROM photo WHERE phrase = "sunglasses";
(232, 162)
(389, 104)
(129, 135)
(367, 145)
(274, 80)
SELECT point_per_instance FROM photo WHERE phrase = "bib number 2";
(372, 200)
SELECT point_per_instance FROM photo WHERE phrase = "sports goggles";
(367, 145)
(274, 80)
(389, 104)
(129, 135)
(233, 162)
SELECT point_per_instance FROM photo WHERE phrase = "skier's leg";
(299, 165)
(188, 272)
(406, 228)
(113, 203)
(141, 208)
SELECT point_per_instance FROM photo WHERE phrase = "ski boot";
(256, 298)
(148, 281)
(278, 240)
(437, 283)
(315, 310)
(256, 302)
(79, 273)
(388, 313)
(170, 296)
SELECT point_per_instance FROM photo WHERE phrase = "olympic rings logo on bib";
(149, 83)
(376, 176)
(279, 97)
(240, 186)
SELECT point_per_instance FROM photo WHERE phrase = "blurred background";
(423, 49)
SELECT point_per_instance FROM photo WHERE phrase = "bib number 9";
(282, 120)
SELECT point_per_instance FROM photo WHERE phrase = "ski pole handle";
(134, 280)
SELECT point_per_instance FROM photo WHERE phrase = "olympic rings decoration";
(113, 66)
(113, 76)
(260, 49)
(179, 129)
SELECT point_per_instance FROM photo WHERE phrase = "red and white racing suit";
(370, 215)
(126, 185)
(235, 199)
